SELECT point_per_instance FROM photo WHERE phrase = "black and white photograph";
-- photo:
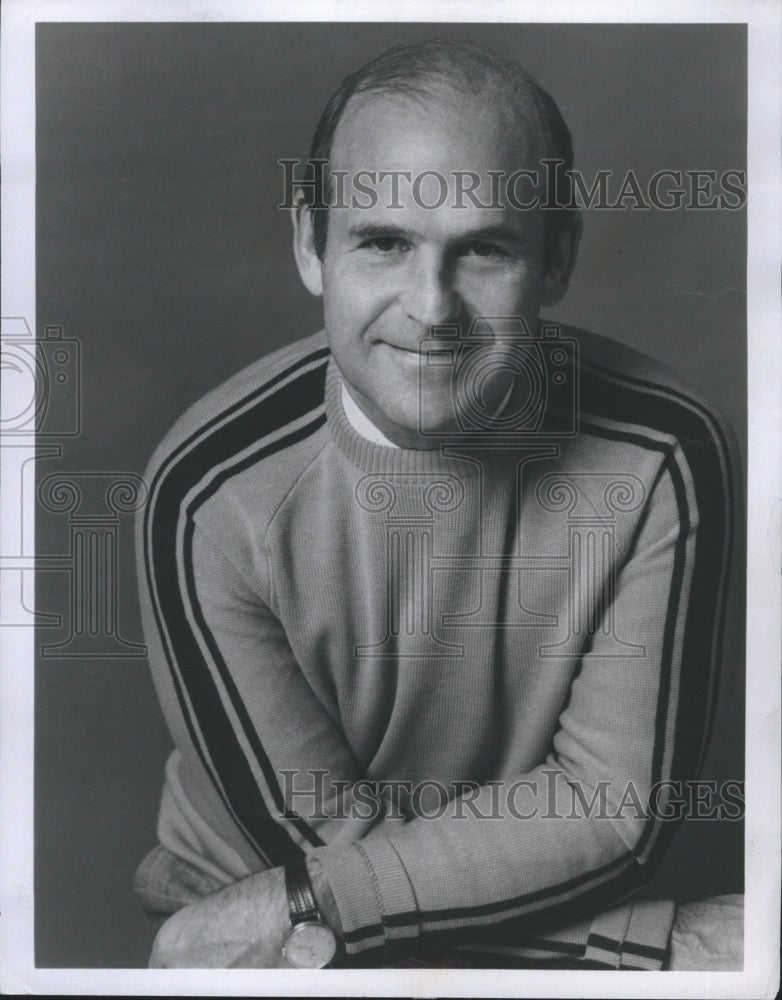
(391, 499)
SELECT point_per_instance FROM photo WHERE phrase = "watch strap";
(302, 907)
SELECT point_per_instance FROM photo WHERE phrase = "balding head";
(446, 71)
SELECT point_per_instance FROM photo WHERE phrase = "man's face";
(393, 271)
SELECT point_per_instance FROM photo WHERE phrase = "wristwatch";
(311, 944)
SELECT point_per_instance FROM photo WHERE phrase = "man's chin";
(410, 420)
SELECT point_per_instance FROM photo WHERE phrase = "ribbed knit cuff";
(372, 892)
(633, 936)
(377, 907)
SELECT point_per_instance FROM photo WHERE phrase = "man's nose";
(430, 297)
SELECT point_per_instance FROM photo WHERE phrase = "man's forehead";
(437, 129)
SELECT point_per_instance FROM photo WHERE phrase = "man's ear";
(562, 260)
(307, 260)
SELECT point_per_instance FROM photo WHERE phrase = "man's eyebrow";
(499, 231)
(374, 230)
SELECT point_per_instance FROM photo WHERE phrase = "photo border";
(764, 256)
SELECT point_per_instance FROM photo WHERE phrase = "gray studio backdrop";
(161, 253)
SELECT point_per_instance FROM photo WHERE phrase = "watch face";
(310, 946)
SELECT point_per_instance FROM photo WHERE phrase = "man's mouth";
(408, 353)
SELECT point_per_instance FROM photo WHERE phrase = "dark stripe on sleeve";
(703, 444)
(547, 944)
(237, 703)
(230, 773)
(620, 947)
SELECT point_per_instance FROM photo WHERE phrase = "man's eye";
(485, 250)
(384, 244)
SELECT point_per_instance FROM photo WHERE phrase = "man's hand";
(243, 926)
(708, 935)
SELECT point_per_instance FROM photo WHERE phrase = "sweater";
(467, 679)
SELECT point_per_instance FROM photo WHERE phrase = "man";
(436, 600)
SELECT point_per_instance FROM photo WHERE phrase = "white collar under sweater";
(360, 422)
